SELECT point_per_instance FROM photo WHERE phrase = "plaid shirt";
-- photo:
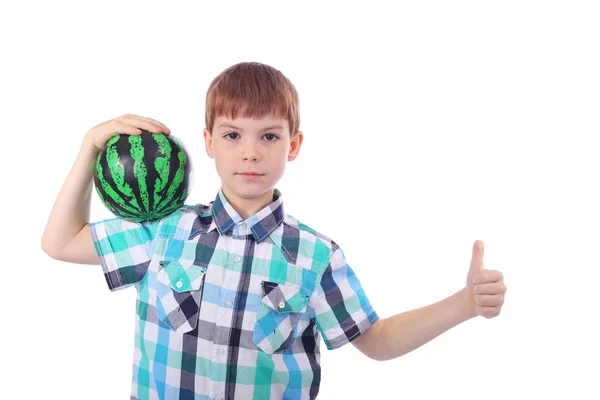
(228, 308)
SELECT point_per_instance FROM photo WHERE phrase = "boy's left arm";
(402, 333)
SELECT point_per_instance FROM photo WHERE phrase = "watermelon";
(143, 177)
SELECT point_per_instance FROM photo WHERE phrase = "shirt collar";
(260, 224)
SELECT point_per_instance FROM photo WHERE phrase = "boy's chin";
(247, 192)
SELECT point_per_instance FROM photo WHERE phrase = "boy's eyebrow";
(229, 126)
(240, 129)
(273, 127)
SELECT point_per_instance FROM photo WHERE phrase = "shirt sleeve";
(342, 309)
(124, 248)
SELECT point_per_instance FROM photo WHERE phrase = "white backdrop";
(427, 126)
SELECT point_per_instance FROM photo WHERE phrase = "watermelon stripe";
(113, 191)
(132, 159)
(175, 186)
(165, 173)
(139, 170)
(173, 158)
(113, 207)
(109, 205)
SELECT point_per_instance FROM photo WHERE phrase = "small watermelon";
(143, 177)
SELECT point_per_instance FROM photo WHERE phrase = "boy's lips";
(250, 175)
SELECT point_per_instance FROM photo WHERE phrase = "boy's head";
(252, 90)
(252, 126)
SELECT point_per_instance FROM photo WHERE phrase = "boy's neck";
(248, 207)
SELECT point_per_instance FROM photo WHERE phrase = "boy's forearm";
(71, 210)
(405, 332)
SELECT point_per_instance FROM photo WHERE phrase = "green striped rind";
(139, 168)
(113, 194)
(163, 166)
(142, 177)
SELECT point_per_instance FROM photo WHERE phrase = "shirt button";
(243, 225)
(221, 352)
(179, 284)
(282, 305)
(237, 259)
(228, 303)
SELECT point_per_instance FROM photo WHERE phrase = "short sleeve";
(124, 248)
(342, 309)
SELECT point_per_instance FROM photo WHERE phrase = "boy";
(233, 297)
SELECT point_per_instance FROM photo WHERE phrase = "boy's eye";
(271, 137)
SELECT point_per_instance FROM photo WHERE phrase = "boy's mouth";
(250, 175)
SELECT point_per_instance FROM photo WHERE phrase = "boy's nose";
(250, 154)
(251, 157)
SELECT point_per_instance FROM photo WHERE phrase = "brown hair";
(252, 90)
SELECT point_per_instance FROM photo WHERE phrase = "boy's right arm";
(65, 237)
(67, 234)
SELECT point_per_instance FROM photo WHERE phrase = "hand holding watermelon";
(128, 124)
(139, 175)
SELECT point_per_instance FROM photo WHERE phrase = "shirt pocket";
(277, 316)
(179, 294)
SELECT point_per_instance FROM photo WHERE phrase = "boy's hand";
(129, 124)
(485, 287)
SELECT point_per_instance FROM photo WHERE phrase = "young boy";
(233, 297)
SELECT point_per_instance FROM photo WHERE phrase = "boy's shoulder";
(304, 245)
(187, 220)
(308, 231)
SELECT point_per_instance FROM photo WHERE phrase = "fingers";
(490, 288)
(489, 300)
(148, 124)
(140, 122)
(488, 312)
(488, 276)
(120, 127)
(163, 127)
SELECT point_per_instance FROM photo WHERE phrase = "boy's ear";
(208, 143)
(295, 144)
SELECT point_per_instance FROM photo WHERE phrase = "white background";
(427, 126)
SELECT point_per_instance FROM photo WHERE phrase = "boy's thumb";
(476, 259)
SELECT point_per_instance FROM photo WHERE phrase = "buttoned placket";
(238, 245)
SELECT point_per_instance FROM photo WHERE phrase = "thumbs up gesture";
(485, 287)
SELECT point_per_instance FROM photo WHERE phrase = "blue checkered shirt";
(230, 308)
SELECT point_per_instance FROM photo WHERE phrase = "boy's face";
(250, 156)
